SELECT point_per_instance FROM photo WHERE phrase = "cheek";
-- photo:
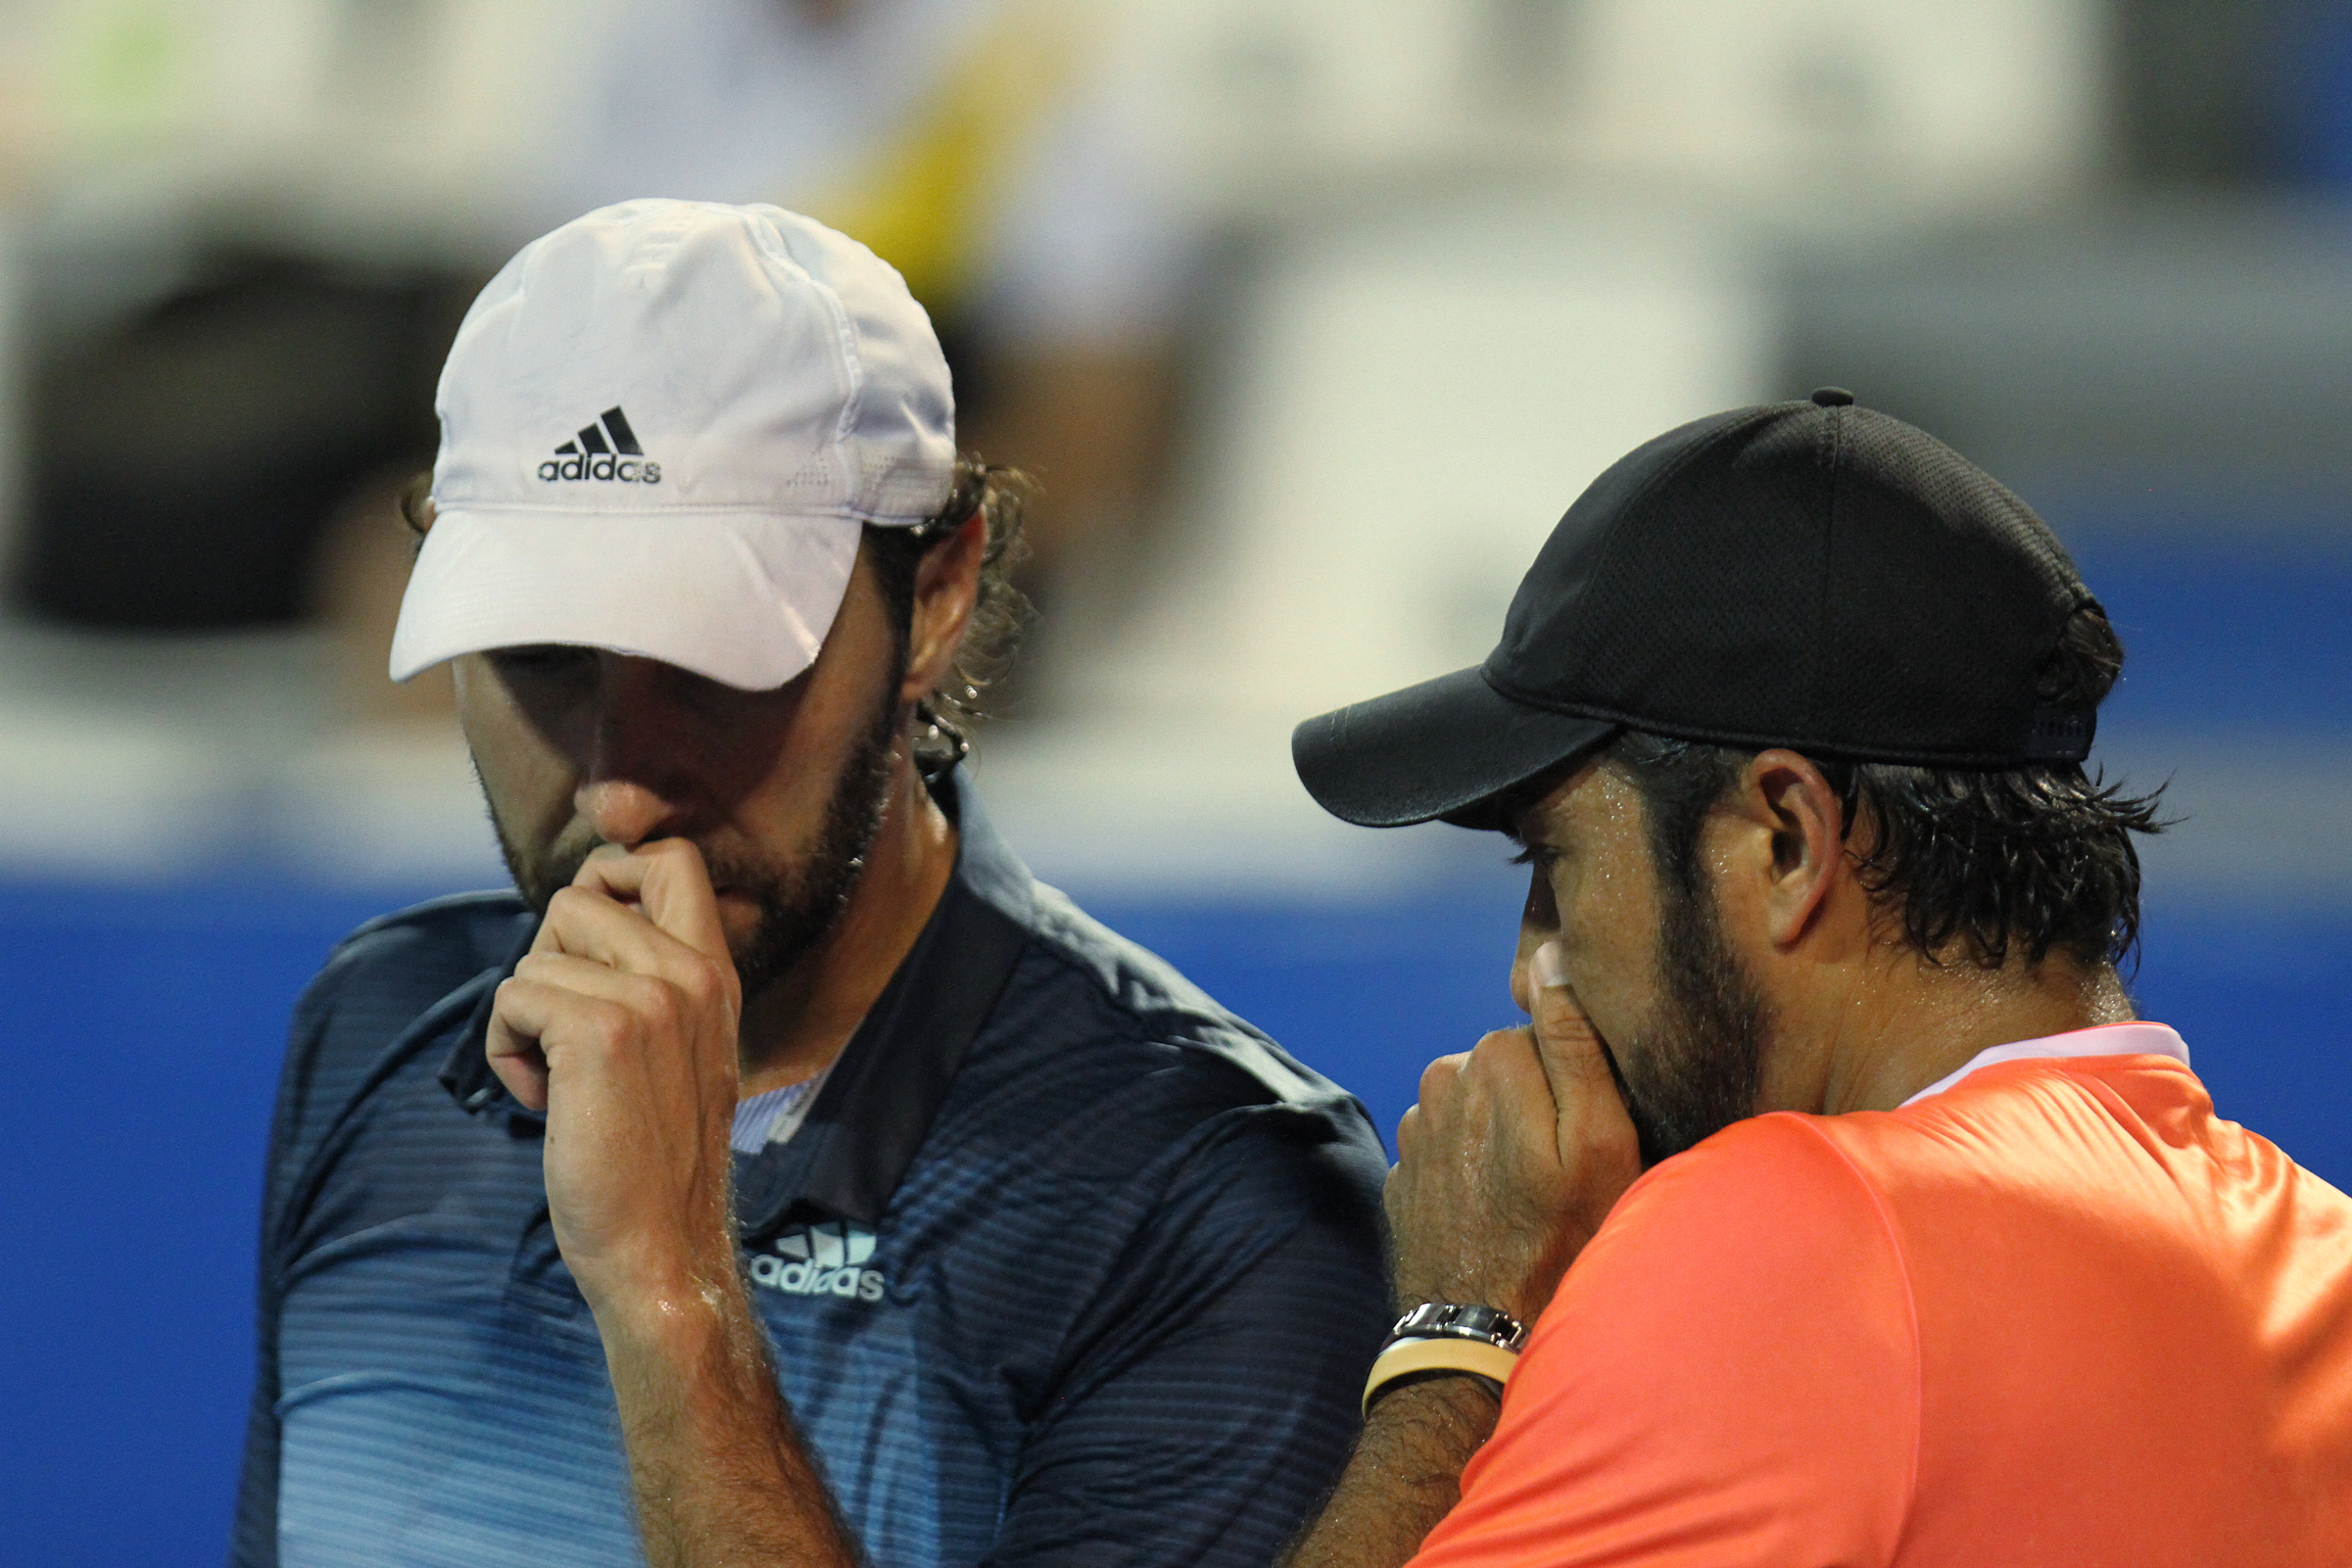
(1607, 930)
(525, 775)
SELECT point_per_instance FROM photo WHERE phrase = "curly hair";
(1000, 616)
(2029, 860)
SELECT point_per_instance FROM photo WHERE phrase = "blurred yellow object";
(922, 200)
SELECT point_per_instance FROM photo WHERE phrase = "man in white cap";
(780, 1173)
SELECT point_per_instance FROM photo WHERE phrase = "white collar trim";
(2105, 1039)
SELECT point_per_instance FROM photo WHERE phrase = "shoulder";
(1733, 1359)
(1083, 989)
(357, 1021)
(459, 930)
(1772, 1196)
(391, 972)
(422, 951)
(1137, 1072)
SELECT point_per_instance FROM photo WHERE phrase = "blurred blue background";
(1312, 315)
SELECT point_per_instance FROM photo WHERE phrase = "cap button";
(1833, 397)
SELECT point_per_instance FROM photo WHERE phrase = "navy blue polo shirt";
(1066, 1264)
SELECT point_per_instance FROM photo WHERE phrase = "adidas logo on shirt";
(821, 1259)
(591, 455)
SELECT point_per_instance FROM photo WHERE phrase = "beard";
(1701, 1066)
(799, 905)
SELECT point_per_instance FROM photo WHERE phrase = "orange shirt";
(2058, 1313)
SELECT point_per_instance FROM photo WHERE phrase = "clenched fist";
(620, 1023)
(1515, 1155)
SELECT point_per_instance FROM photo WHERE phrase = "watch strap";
(1410, 1360)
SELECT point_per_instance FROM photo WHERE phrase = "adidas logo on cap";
(590, 456)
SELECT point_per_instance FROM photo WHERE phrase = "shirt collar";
(885, 1089)
(2105, 1039)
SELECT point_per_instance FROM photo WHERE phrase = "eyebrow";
(1518, 833)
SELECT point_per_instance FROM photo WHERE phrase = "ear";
(416, 508)
(1796, 824)
(946, 590)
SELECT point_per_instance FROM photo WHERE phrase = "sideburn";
(799, 911)
(1713, 1025)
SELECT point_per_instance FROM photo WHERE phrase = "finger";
(561, 1023)
(1571, 1052)
(1437, 1078)
(592, 923)
(587, 976)
(1505, 1068)
(666, 880)
(519, 1016)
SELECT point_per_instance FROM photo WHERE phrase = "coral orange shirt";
(2056, 1313)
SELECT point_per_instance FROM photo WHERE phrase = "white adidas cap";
(662, 427)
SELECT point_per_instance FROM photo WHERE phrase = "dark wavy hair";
(1001, 615)
(2026, 860)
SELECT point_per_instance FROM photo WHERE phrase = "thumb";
(1572, 1053)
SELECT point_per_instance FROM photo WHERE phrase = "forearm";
(1405, 1476)
(719, 1473)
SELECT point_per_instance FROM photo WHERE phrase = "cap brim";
(1432, 750)
(743, 598)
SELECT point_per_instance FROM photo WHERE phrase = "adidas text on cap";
(663, 428)
(1813, 575)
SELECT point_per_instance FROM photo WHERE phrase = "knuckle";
(609, 1026)
(1440, 1073)
(650, 999)
(1501, 1043)
(702, 980)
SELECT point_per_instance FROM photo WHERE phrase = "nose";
(623, 811)
(634, 788)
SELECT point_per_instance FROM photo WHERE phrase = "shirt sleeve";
(1208, 1399)
(1729, 1374)
(253, 1542)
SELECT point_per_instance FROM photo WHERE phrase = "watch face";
(1459, 1321)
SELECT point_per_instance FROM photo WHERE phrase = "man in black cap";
(1833, 1206)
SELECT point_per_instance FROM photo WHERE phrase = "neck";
(1915, 1020)
(794, 1028)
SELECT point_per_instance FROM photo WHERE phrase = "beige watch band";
(1414, 1357)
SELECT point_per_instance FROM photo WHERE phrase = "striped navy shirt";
(1067, 1265)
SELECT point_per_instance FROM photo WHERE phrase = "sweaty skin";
(626, 1023)
(1516, 1151)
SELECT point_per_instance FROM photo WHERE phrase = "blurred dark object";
(185, 461)
(2233, 93)
(2196, 90)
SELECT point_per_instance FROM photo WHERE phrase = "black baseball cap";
(1811, 575)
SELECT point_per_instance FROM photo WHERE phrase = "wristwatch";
(1447, 1339)
(1452, 1320)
